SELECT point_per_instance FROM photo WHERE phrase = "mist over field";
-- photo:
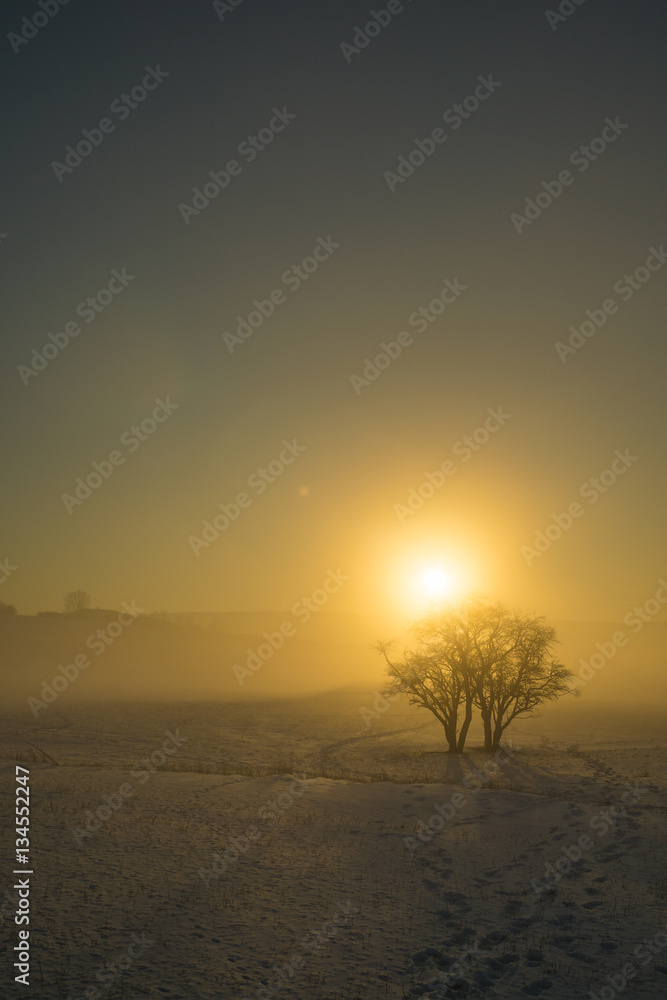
(191, 657)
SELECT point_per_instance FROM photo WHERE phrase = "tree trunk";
(488, 731)
(465, 727)
(450, 736)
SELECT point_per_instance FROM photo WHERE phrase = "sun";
(419, 578)
(436, 584)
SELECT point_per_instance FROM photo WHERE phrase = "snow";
(303, 883)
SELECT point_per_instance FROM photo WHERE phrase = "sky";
(369, 197)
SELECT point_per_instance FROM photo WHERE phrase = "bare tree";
(430, 682)
(517, 672)
(440, 676)
(77, 600)
(7, 609)
(478, 654)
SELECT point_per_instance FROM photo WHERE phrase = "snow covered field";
(287, 849)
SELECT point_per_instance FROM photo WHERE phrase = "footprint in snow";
(575, 874)
(493, 938)
(522, 923)
(508, 958)
(565, 941)
(430, 884)
(482, 979)
(537, 987)
(550, 893)
(454, 897)
(459, 937)
(495, 968)
(581, 956)
(423, 957)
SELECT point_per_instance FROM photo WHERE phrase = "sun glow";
(421, 574)
(435, 585)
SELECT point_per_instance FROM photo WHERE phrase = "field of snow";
(304, 849)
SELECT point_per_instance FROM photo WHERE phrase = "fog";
(91, 656)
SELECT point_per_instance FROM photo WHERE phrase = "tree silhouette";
(77, 600)
(515, 671)
(479, 655)
(432, 682)
(7, 609)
